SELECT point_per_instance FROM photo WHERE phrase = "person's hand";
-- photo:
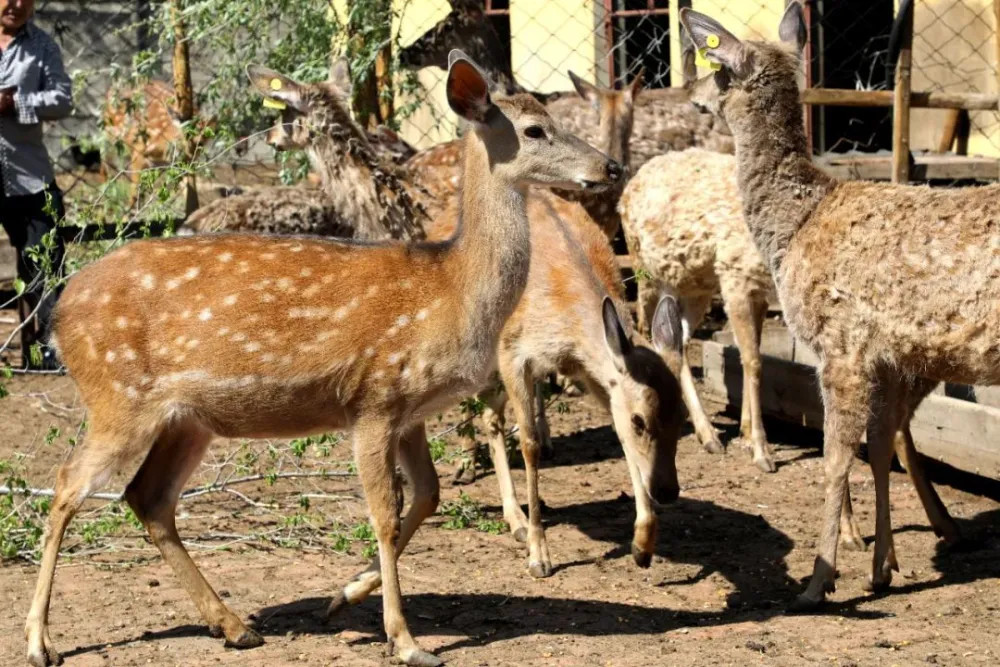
(7, 101)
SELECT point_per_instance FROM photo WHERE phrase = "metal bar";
(848, 97)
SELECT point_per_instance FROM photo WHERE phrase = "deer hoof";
(853, 542)
(521, 534)
(45, 657)
(880, 584)
(418, 658)
(539, 570)
(465, 475)
(246, 639)
(765, 463)
(714, 446)
(338, 602)
(642, 558)
(804, 604)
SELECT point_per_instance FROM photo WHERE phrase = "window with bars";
(638, 35)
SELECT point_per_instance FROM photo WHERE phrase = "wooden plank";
(960, 433)
(926, 167)
(901, 97)
(838, 97)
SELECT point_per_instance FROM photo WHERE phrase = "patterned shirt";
(32, 64)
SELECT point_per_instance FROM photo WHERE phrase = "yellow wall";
(549, 38)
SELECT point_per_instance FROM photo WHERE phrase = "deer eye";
(639, 424)
(534, 132)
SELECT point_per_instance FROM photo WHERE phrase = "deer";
(573, 318)
(892, 285)
(372, 336)
(144, 121)
(361, 195)
(664, 118)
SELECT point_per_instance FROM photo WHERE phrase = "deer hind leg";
(746, 313)
(137, 162)
(693, 310)
(941, 521)
(850, 531)
(153, 494)
(496, 433)
(88, 469)
(521, 386)
(846, 397)
(542, 424)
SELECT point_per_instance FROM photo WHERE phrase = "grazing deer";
(664, 119)
(361, 193)
(172, 341)
(145, 123)
(894, 286)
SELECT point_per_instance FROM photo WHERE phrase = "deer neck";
(778, 182)
(366, 192)
(491, 250)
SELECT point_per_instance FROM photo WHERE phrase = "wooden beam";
(184, 92)
(839, 97)
(925, 167)
(901, 98)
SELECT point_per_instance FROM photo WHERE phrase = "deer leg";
(850, 532)
(376, 468)
(135, 167)
(692, 311)
(88, 469)
(644, 530)
(941, 521)
(647, 298)
(496, 434)
(152, 494)
(466, 472)
(542, 424)
(520, 387)
(888, 413)
(846, 395)
(746, 316)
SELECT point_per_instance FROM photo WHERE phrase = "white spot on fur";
(394, 358)
(173, 283)
(285, 285)
(267, 297)
(229, 300)
(131, 392)
(222, 332)
(205, 315)
(306, 272)
(191, 344)
(402, 321)
(369, 352)
(297, 248)
(186, 314)
(372, 290)
(192, 273)
(238, 337)
(225, 257)
(116, 385)
(406, 283)
(148, 281)
(128, 353)
(391, 331)
(110, 356)
(244, 267)
(323, 336)
(180, 340)
(421, 315)
(251, 347)
(308, 313)
(267, 255)
(310, 291)
(121, 322)
(105, 298)
(267, 357)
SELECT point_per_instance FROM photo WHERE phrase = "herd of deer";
(506, 268)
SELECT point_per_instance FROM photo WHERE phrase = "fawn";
(894, 286)
(145, 122)
(172, 341)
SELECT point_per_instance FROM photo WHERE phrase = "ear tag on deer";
(275, 104)
(276, 83)
(702, 61)
(712, 41)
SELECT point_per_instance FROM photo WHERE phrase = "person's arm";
(54, 100)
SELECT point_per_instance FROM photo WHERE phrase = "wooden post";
(901, 99)
(184, 94)
(996, 43)
(383, 82)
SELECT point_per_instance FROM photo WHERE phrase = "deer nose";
(615, 171)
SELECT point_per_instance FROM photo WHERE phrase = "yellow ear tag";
(712, 41)
(701, 61)
(274, 104)
(276, 83)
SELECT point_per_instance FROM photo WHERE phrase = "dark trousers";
(26, 220)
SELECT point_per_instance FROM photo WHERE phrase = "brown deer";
(361, 195)
(664, 119)
(568, 320)
(144, 122)
(372, 336)
(894, 286)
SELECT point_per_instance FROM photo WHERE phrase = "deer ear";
(638, 82)
(717, 44)
(615, 337)
(668, 335)
(278, 90)
(467, 88)
(792, 29)
(689, 67)
(587, 91)
(340, 75)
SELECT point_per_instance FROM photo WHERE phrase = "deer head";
(745, 70)
(615, 111)
(645, 397)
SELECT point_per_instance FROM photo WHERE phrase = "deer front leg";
(846, 400)
(746, 316)
(375, 447)
(542, 424)
(692, 311)
(521, 387)
(493, 419)
(850, 532)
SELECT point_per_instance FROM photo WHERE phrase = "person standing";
(34, 87)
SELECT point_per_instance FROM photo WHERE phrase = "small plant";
(439, 450)
(468, 513)
(364, 533)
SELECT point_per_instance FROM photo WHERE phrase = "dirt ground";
(732, 553)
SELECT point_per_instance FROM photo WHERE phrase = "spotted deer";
(144, 123)
(172, 341)
(664, 118)
(894, 286)
(361, 194)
